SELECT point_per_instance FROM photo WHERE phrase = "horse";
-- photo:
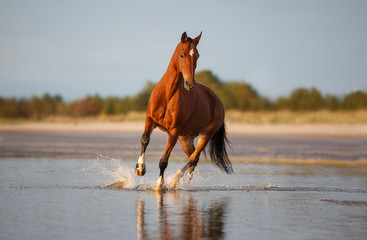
(185, 110)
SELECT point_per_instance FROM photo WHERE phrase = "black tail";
(218, 152)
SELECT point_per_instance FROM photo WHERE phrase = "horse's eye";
(182, 55)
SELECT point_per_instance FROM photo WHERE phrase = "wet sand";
(295, 145)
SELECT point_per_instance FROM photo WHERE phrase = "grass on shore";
(260, 117)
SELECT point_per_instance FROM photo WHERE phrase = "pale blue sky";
(74, 48)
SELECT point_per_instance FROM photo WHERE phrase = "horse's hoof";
(157, 187)
(140, 172)
(173, 183)
(176, 179)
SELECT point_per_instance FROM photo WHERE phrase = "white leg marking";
(141, 159)
(160, 181)
(176, 178)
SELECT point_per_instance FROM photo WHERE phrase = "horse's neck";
(171, 80)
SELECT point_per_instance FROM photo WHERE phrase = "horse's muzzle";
(188, 86)
(140, 170)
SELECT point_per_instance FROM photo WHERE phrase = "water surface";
(48, 198)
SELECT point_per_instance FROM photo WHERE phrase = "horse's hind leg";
(140, 168)
(189, 148)
(193, 160)
(187, 145)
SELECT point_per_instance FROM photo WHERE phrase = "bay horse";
(185, 110)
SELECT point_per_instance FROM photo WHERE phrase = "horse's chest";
(172, 115)
(177, 112)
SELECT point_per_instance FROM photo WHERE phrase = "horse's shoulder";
(157, 94)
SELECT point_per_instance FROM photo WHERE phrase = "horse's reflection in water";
(191, 222)
(140, 205)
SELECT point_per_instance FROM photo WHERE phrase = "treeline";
(91, 105)
(242, 96)
(234, 95)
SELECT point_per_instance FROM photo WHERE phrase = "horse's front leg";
(140, 168)
(171, 141)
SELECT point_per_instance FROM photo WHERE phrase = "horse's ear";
(184, 37)
(197, 39)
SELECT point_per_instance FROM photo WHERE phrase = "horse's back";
(207, 95)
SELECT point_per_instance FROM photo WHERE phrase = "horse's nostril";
(186, 84)
(189, 85)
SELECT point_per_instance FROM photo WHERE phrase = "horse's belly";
(187, 132)
(196, 125)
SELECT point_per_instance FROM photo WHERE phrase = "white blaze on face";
(192, 52)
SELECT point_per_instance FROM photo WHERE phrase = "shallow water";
(45, 198)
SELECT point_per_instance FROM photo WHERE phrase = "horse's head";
(187, 56)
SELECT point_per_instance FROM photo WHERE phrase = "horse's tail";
(218, 152)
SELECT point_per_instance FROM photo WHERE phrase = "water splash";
(114, 170)
(267, 182)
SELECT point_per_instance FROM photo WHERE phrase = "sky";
(75, 48)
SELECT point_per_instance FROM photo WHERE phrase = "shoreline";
(325, 130)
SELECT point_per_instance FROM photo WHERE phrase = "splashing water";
(254, 176)
(267, 182)
(114, 170)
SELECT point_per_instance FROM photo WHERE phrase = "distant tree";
(89, 106)
(23, 110)
(331, 103)
(208, 79)
(36, 108)
(303, 99)
(62, 109)
(282, 103)
(243, 96)
(266, 104)
(8, 108)
(355, 100)
(48, 104)
(125, 105)
(115, 105)
(111, 105)
(140, 101)
(234, 95)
